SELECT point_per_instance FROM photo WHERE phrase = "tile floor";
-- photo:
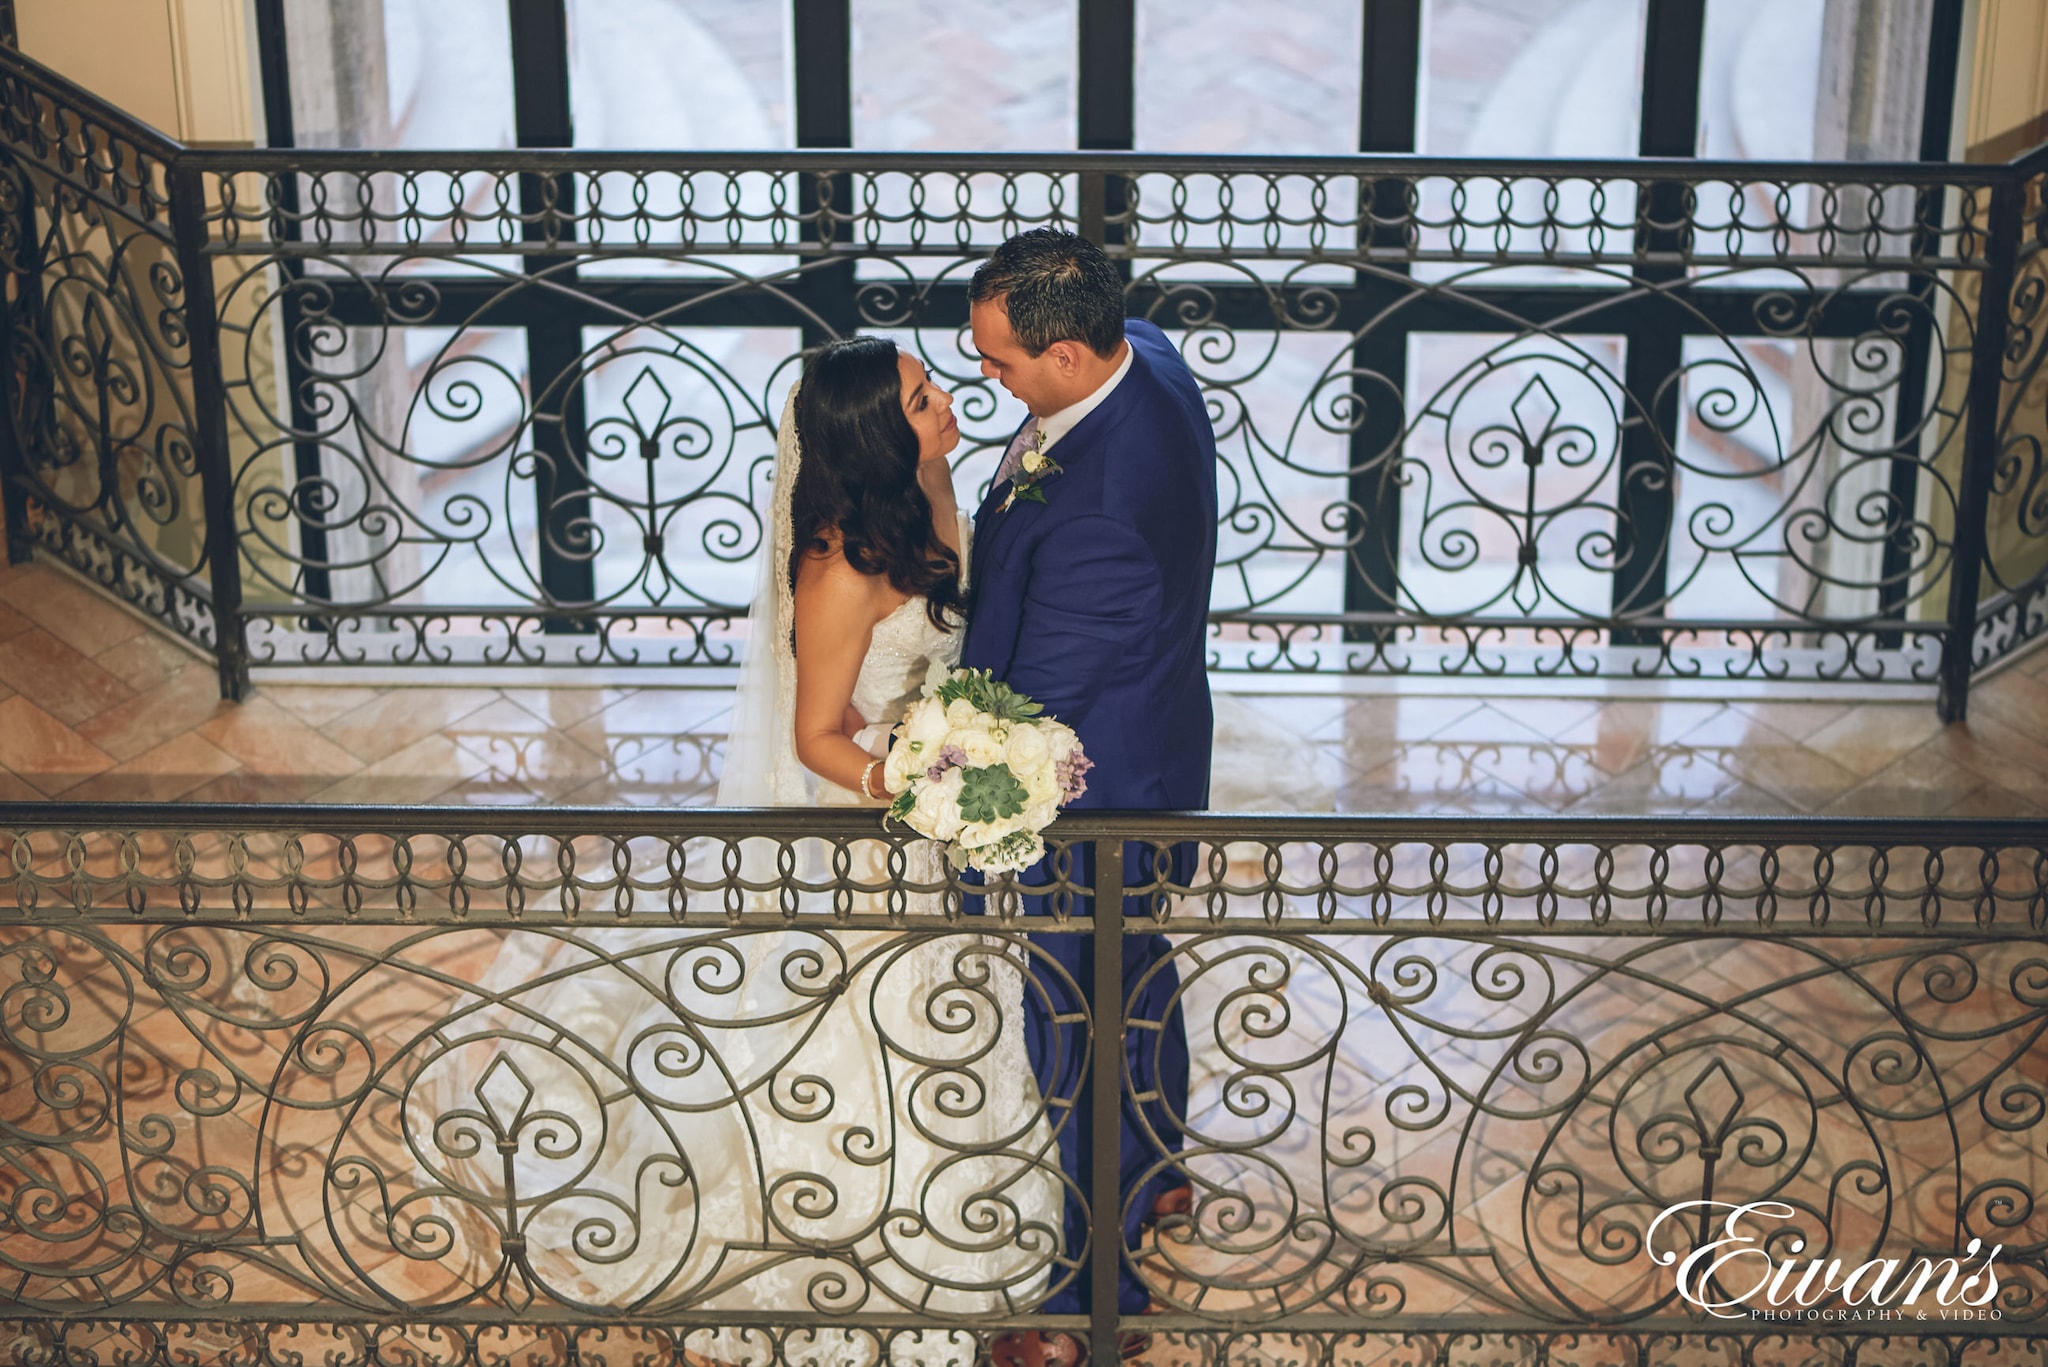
(96, 705)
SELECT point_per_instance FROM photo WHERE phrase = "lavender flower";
(1072, 774)
(952, 757)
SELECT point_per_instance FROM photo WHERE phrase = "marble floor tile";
(562, 708)
(1998, 754)
(1398, 716)
(149, 658)
(1871, 736)
(1739, 799)
(32, 742)
(1669, 779)
(62, 681)
(1799, 775)
(2018, 699)
(1995, 801)
(1427, 777)
(179, 704)
(1621, 732)
(1547, 716)
(1795, 719)
(1259, 764)
(87, 620)
(246, 785)
(269, 740)
(318, 704)
(520, 748)
(169, 771)
(139, 715)
(411, 775)
(649, 712)
(393, 720)
(1925, 781)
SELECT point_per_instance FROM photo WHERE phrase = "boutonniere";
(1033, 470)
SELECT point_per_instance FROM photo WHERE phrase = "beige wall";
(182, 65)
(2007, 79)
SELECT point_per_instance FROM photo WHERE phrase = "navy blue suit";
(1096, 604)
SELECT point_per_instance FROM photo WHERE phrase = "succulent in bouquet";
(978, 765)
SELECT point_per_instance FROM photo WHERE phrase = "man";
(1092, 560)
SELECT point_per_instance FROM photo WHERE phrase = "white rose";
(1041, 786)
(1040, 813)
(1027, 751)
(900, 768)
(1032, 462)
(924, 730)
(960, 714)
(938, 808)
(982, 748)
(975, 834)
(1060, 740)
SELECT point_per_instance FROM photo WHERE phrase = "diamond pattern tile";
(96, 704)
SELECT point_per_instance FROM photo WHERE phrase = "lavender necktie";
(1014, 457)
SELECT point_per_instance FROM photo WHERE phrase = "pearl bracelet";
(864, 778)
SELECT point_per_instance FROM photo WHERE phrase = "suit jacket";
(1096, 601)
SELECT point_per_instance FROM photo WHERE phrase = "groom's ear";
(1067, 355)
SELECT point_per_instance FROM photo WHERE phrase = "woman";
(793, 1118)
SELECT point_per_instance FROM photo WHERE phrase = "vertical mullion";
(822, 39)
(273, 60)
(1673, 33)
(1387, 119)
(1106, 116)
(1944, 52)
(554, 347)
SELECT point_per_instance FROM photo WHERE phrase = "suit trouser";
(1154, 1091)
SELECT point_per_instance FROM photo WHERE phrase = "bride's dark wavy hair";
(859, 476)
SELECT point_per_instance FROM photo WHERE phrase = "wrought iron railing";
(1634, 418)
(361, 1085)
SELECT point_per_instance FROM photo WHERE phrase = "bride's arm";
(835, 620)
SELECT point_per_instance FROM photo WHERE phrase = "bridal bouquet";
(975, 765)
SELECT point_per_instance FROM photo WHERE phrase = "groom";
(1092, 559)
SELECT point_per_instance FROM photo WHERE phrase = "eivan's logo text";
(1746, 1273)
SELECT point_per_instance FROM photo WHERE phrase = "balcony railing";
(360, 1085)
(1633, 418)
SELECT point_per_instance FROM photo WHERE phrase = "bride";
(789, 1120)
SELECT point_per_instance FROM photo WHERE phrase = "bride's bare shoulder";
(825, 581)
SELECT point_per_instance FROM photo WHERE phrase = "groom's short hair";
(1057, 287)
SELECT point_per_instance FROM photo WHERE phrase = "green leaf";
(985, 693)
(991, 794)
(1028, 493)
(904, 805)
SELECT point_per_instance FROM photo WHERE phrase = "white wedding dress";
(760, 1121)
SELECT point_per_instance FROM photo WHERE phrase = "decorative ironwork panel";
(2015, 610)
(104, 445)
(505, 1076)
(1509, 418)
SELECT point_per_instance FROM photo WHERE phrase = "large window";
(679, 73)
(963, 75)
(1531, 78)
(399, 73)
(1790, 79)
(1222, 76)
